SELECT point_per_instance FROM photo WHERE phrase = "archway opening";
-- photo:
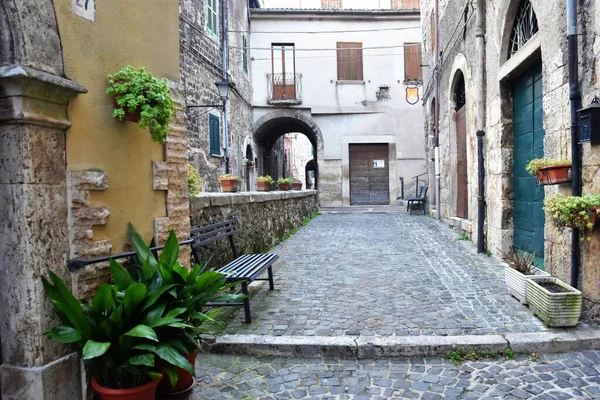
(460, 120)
(249, 168)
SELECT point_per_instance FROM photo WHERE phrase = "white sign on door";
(378, 163)
(84, 8)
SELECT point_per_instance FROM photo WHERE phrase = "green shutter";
(245, 53)
(214, 134)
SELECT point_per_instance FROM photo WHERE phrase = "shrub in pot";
(519, 267)
(189, 290)
(550, 171)
(574, 212)
(284, 183)
(553, 301)
(118, 335)
(140, 97)
(229, 183)
(263, 183)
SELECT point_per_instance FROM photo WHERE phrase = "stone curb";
(369, 347)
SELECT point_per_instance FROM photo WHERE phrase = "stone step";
(374, 347)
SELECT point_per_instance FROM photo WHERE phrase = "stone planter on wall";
(263, 186)
(516, 282)
(554, 309)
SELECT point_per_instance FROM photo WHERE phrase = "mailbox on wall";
(589, 122)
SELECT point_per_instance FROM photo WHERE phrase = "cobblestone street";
(555, 376)
(383, 274)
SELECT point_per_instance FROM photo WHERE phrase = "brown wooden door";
(369, 174)
(462, 190)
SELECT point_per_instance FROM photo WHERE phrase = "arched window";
(460, 95)
(524, 28)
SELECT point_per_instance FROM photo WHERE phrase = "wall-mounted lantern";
(589, 126)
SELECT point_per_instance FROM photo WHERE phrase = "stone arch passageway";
(270, 127)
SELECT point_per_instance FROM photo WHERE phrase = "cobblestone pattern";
(384, 274)
(556, 376)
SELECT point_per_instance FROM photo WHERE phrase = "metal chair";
(419, 202)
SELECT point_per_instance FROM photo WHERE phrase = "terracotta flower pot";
(284, 187)
(129, 116)
(297, 185)
(263, 186)
(185, 380)
(553, 174)
(229, 185)
(143, 392)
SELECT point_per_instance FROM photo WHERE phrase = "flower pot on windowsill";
(297, 185)
(516, 282)
(553, 301)
(554, 174)
(263, 186)
(143, 392)
(185, 380)
(229, 185)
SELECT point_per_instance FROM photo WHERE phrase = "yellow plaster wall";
(133, 32)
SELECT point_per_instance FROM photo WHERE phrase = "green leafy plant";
(266, 178)
(573, 211)
(228, 176)
(284, 181)
(139, 91)
(118, 335)
(509, 353)
(521, 261)
(194, 180)
(464, 236)
(537, 163)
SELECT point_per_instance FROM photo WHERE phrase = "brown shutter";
(406, 4)
(350, 61)
(432, 27)
(412, 61)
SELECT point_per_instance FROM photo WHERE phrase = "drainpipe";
(225, 68)
(575, 97)
(480, 45)
(436, 145)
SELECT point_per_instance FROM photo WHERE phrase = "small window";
(406, 4)
(212, 17)
(245, 53)
(412, 63)
(336, 4)
(214, 131)
(349, 61)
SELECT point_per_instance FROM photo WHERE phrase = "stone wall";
(261, 218)
(200, 68)
(549, 46)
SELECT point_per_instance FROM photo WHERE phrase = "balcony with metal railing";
(284, 89)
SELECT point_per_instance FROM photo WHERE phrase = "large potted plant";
(118, 335)
(549, 171)
(574, 212)
(284, 184)
(519, 267)
(140, 97)
(188, 292)
(553, 301)
(229, 183)
(263, 183)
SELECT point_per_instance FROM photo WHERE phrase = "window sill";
(361, 83)
(216, 155)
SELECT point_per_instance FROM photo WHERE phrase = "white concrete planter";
(516, 282)
(555, 309)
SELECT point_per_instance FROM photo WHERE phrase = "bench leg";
(271, 283)
(246, 302)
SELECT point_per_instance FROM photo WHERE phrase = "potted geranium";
(263, 183)
(229, 183)
(140, 97)
(296, 184)
(118, 335)
(550, 171)
(553, 301)
(284, 183)
(519, 266)
(574, 212)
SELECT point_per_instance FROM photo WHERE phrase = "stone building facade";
(534, 64)
(201, 66)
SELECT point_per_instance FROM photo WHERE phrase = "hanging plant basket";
(135, 116)
(574, 212)
(554, 174)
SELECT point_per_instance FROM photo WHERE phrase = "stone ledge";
(208, 199)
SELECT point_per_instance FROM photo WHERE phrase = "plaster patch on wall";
(84, 8)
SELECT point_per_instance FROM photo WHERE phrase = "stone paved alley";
(384, 273)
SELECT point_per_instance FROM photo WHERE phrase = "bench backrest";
(211, 233)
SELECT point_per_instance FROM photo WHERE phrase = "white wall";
(336, 107)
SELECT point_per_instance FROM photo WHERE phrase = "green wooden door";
(528, 144)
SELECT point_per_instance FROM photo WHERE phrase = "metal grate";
(285, 88)
(524, 28)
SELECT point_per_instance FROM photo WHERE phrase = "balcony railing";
(284, 88)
